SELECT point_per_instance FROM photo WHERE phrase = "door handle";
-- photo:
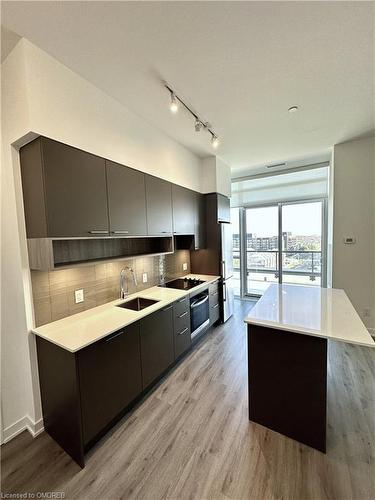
(98, 231)
(120, 232)
(224, 292)
(223, 268)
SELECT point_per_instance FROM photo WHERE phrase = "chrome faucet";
(124, 285)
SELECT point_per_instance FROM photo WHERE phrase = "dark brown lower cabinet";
(110, 379)
(157, 350)
(181, 324)
(214, 312)
(84, 392)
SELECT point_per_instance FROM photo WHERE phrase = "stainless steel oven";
(199, 313)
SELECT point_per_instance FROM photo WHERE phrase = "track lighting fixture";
(174, 104)
(199, 123)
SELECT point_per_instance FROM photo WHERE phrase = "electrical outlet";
(78, 295)
(144, 277)
(184, 266)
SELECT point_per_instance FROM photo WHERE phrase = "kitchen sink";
(137, 304)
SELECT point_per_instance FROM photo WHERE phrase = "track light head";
(215, 141)
(198, 125)
(174, 104)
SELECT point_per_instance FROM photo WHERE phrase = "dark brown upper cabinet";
(184, 210)
(200, 222)
(69, 193)
(126, 200)
(64, 190)
(223, 208)
(159, 206)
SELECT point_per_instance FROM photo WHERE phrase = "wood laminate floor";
(191, 439)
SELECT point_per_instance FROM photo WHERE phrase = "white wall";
(41, 96)
(354, 215)
(17, 388)
(64, 106)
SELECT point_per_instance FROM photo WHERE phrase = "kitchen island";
(288, 330)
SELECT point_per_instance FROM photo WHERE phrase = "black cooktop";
(182, 283)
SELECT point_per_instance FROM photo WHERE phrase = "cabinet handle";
(214, 293)
(167, 308)
(215, 306)
(183, 314)
(114, 336)
(120, 232)
(199, 302)
(182, 300)
(98, 231)
(184, 331)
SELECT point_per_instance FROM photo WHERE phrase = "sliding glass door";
(282, 243)
(262, 249)
(302, 243)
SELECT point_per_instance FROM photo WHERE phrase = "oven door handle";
(198, 303)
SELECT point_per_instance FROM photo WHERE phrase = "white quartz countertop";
(320, 312)
(80, 330)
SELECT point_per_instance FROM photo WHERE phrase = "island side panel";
(58, 376)
(288, 384)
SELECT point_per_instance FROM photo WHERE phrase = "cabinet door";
(159, 206)
(126, 200)
(75, 190)
(223, 208)
(157, 351)
(181, 319)
(214, 313)
(200, 222)
(110, 378)
(183, 210)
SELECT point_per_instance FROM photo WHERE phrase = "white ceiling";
(241, 65)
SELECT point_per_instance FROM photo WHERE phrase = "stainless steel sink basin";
(137, 304)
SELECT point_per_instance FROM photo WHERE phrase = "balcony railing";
(295, 262)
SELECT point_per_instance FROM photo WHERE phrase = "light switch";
(78, 294)
(184, 266)
(349, 240)
(144, 277)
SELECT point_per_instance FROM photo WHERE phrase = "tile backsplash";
(53, 292)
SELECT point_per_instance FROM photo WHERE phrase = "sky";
(299, 219)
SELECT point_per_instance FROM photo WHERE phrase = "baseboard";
(24, 423)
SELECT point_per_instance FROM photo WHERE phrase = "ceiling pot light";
(293, 109)
(174, 104)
